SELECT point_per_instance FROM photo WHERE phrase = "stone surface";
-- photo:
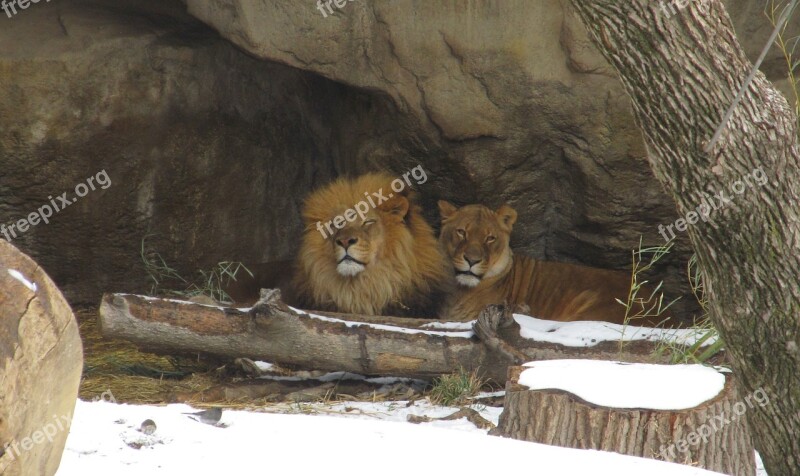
(211, 147)
(41, 360)
(208, 150)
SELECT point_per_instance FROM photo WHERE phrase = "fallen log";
(368, 345)
(687, 414)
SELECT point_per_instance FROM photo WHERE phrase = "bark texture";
(682, 70)
(368, 345)
(712, 434)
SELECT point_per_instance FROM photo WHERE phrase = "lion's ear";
(446, 209)
(507, 215)
(398, 205)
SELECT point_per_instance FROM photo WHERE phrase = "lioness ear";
(397, 206)
(446, 209)
(507, 215)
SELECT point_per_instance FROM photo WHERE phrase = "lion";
(476, 239)
(366, 249)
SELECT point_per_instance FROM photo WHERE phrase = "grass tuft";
(166, 280)
(639, 304)
(456, 389)
(696, 353)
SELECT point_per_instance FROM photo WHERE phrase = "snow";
(591, 333)
(384, 327)
(264, 366)
(22, 279)
(364, 439)
(627, 385)
(570, 334)
(446, 325)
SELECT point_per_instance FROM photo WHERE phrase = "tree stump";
(41, 360)
(712, 434)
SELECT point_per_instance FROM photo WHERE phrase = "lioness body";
(385, 260)
(549, 290)
(477, 241)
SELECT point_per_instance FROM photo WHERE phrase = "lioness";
(476, 239)
(382, 260)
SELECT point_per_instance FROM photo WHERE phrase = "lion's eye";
(368, 223)
(461, 232)
(490, 239)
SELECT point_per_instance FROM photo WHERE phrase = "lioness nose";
(472, 262)
(346, 242)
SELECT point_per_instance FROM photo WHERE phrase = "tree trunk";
(368, 345)
(709, 436)
(682, 69)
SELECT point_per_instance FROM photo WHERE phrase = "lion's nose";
(347, 241)
(472, 262)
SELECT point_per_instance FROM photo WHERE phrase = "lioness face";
(476, 240)
(360, 242)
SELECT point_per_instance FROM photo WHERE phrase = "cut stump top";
(625, 385)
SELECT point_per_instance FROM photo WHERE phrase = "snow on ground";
(351, 438)
(591, 333)
(625, 384)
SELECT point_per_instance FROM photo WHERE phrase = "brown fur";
(403, 271)
(549, 290)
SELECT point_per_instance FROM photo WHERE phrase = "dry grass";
(130, 375)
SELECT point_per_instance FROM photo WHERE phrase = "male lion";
(476, 239)
(382, 260)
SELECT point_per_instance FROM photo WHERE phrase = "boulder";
(41, 360)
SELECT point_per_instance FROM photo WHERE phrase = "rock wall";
(210, 147)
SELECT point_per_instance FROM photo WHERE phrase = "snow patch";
(264, 366)
(22, 279)
(591, 333)
(359, 444)
(450, 326)
(384, 327)
(626, 385)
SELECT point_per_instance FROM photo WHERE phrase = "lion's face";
(359, 244)
(476, 239)
(382, 256)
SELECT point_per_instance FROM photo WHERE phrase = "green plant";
(774, 10)
(166, 280)
(157, 269)
(457, 388)
(640, 304)
(695, 353)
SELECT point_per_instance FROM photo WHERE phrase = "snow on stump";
(687, 414)
(41, 360)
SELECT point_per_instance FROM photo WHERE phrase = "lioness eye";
(461, 232)
(368, 223)
(490, 239)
